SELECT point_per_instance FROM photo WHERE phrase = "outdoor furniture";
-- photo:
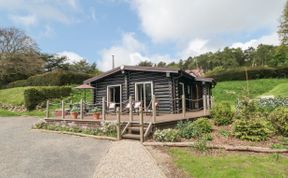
(149, 109)
(112, 107)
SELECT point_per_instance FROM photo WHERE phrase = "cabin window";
(114, 94)
(143, 93)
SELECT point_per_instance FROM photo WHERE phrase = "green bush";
(166, 135)
(34, 96)
(253, 73)
(56, 78)
(222, 114)
(279, 120)
(251, 129)
(194, 129)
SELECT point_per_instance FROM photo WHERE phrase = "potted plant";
(96, 113)
(74, 112)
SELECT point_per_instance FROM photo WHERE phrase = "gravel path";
(128, 159)
(26, 153)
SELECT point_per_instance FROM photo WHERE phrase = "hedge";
(253, 73)
(34, 96)
(58, 78)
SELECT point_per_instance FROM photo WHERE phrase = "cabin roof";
(146, 69)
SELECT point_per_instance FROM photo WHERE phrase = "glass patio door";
(144, 91)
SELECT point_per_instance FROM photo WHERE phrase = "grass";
(14, 96)
(6, 113)
(229, 90)
(279, 90)
(230, 165)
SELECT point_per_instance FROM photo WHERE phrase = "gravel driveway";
(30, 153)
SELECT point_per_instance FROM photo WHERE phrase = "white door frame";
(136, 91)
(108, 96)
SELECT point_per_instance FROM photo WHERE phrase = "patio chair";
(112, 107)
(137, 106)
(149, 108)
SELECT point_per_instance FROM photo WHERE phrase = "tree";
(53, 62)
(13, 40)
(283, 27)
(161, 64)
(83, 66)
(19, 56)
(146, 63)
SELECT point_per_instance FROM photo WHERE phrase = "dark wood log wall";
(165, 88)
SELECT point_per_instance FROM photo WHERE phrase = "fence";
(109, 109)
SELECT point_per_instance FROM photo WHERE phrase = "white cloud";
(183, 20)
(62, 11)
(195, 47)
(24, 20)
(71, 56)
(129, 52)
(272, 39)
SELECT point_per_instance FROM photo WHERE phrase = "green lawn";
(232, 165)
(230, 90)
(279, 90)
(6, 113)
(14, 96)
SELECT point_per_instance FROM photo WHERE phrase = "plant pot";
(74, 115)
(96, 115)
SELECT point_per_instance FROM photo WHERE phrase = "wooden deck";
(160, 118)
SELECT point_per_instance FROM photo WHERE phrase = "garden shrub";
(166, 135)
(34, 96)
(222, 114)
(194, 129)
(107, 129)
(55, 78)
(279, 120)
(257, 129)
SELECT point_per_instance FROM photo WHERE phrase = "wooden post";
(183, 106)
(204, 103)
(212, 102)
(154, 108)
(141, 125)
(208, 101)
(118, 123)
(130, 109)
(47, 109)
(63, 109)
(103, 109)
(81, 109)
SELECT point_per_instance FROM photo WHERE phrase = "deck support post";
(208, 102)
(204, 103)
(47, 109)
(81, 109)
(141, 125)
(103, 109)
(212, 102)
(118, 123)
(63, 109)
(130, 109)
(154, 108)
(183, 106)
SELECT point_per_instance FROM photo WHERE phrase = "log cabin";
(168, 85)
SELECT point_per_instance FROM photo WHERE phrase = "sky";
(138, 30)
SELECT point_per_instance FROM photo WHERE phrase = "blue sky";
(136, 30)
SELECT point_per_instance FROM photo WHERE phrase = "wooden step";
(136, 129)
(131, 136)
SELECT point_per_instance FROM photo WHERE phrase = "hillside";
(230, 90)
(14, 96)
